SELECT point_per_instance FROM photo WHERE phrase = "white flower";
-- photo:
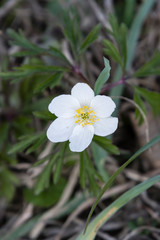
(80, 116)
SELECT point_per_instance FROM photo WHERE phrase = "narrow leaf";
(103, 77)
(112, 178)
(49, 82)
(115, 206)
(106, 144)
(112, 51)
(92, 36)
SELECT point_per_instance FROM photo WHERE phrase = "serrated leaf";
(20, 40)
(24, 143)
(49, 82)
(106, 144)
(28, 70)
(153, 98)
(92, 36)
(103, 77)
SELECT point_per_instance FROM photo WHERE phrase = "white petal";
(64, 106)
(60, 129)
(105, 126)
(83, 93)
(103, 106)
(81, 138)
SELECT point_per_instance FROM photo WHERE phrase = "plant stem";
(77, 71)
(109, 86)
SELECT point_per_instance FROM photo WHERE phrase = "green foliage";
(51, 82)
(130, 8)
(94, 226)
(29, 70)
(119, 170)
(106, 144)
(92, 36)
(58, 54)
(152, 67)
(153, 98)
(48, 197)
(59, 164)
(45, 115)
(44, 179)
(26, 141)
(20, 40)
(119, 32)
(8, 182)
(87, 170)
(103, 77)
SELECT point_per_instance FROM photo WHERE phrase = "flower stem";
(109, 86)
(77, 71)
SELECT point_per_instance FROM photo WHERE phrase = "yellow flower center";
(85, 116)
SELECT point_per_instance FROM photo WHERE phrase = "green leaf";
(4, 128)
(7, 183)
(152, 67)
(58, 168)
(153, 98)
(70, 30)
(106, 144)
(99, 156)
(103, 77)
(48, 197)
(28, 70)
(20, 40)
(92, 36)
(112, 51)
(94, 226)
(51, 82)
(123, 43)
(40, 105)
(134, 33)
(115, 27)
(24, 54)
(44, 179)
(130, 8)
(136, 28)
(58, 54)
(24, 143)
(82, 170)
(113, 177)
(37, 144)
(46, 115)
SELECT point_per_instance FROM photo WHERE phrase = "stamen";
(85, 116)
